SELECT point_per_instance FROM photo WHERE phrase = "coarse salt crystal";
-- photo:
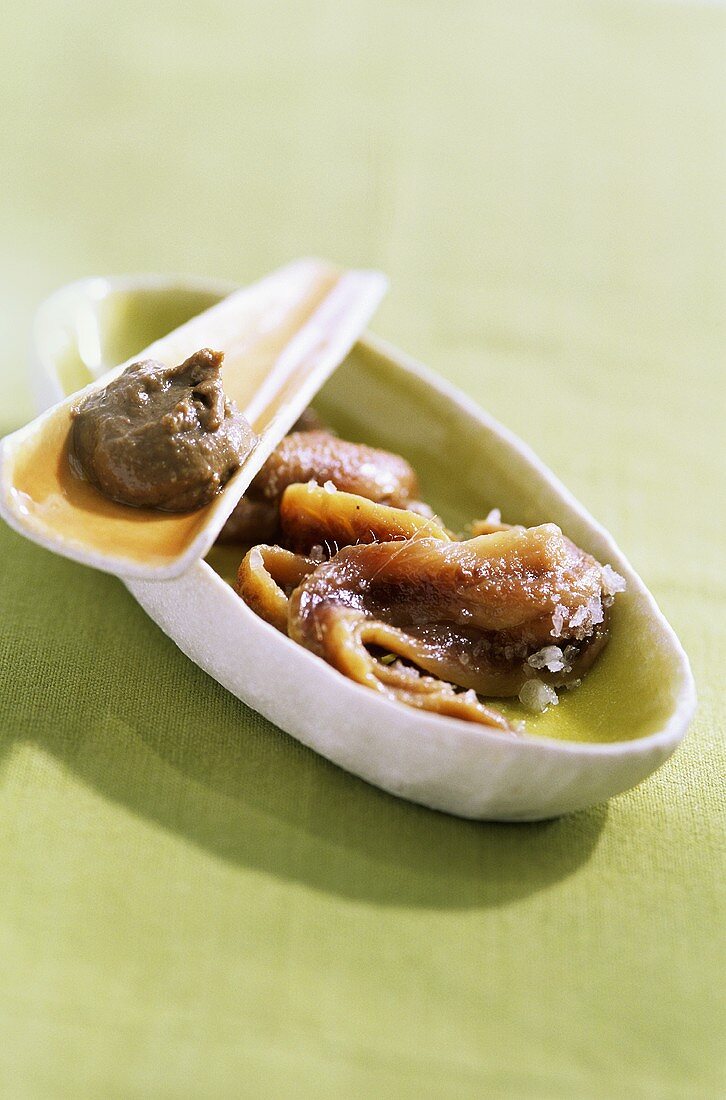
(551, 657)
(612, 582)
(536, 696)
(559, 617)
(597, 615)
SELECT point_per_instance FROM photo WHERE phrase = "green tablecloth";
(193, 905)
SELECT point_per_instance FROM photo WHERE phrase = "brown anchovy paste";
(387, 596)
(161, 437)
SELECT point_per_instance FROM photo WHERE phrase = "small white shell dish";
(622, 723)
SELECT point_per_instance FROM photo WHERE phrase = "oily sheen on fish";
(318, 456)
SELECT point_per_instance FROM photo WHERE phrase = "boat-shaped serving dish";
(624, 720)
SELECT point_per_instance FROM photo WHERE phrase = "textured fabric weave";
(192, 904)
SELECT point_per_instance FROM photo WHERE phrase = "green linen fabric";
(191, 903)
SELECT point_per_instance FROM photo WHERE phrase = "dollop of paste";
(161, 437)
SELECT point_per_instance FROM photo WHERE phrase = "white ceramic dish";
(625, 720)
